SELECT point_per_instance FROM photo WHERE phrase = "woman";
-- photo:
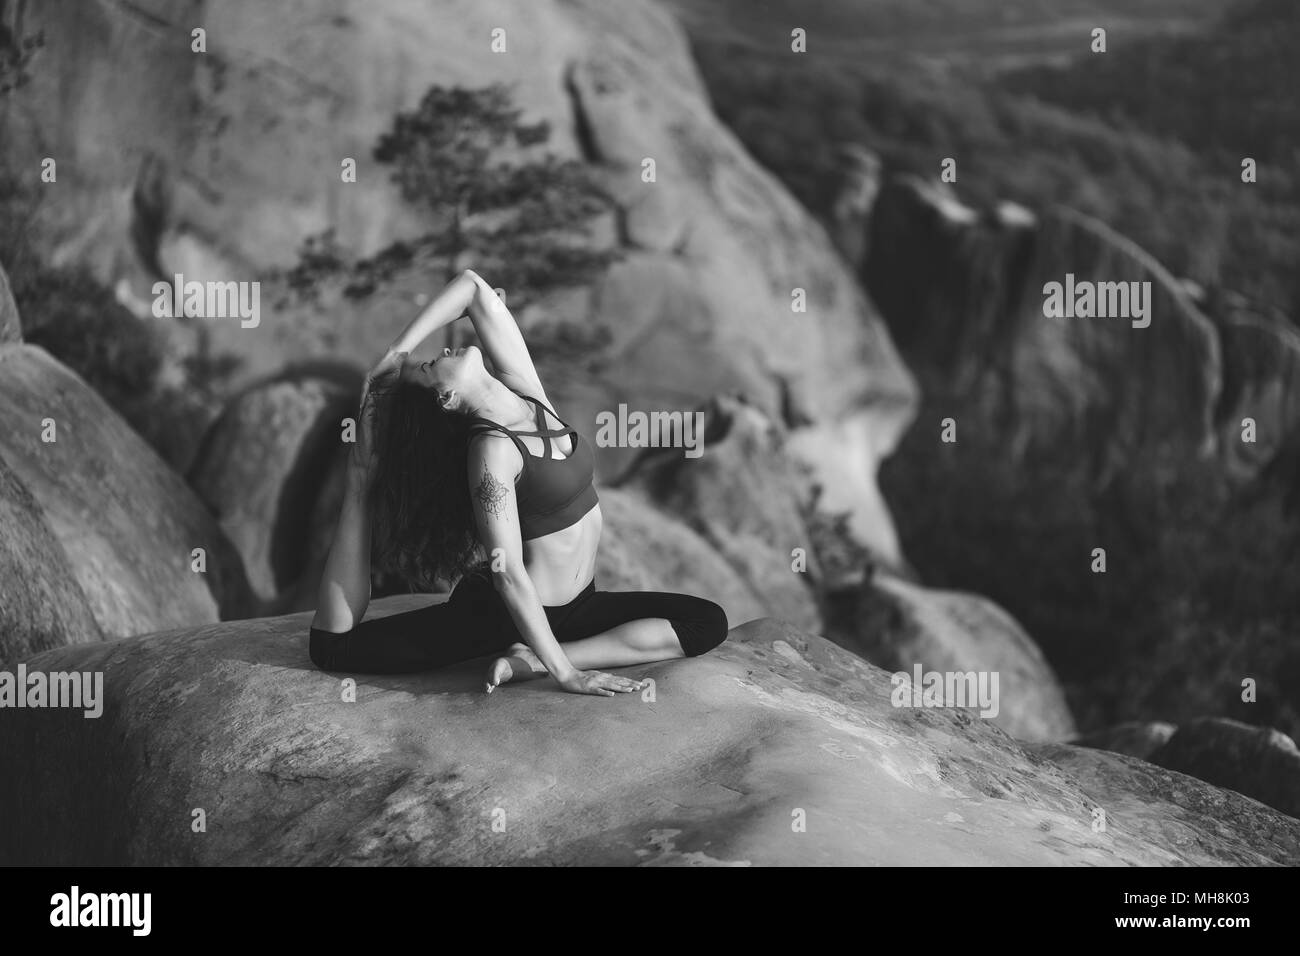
(469, 475)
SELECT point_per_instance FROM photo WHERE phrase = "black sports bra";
(552, 493)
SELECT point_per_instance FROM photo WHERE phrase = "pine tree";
(467, 159)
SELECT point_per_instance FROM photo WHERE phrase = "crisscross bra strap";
(478, 425)
(542, 431)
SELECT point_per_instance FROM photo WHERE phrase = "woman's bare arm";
(447, 306)
(344, 591)
(494, 324)
(493, 466)
(502, 341)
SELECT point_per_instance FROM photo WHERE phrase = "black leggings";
(475, 622)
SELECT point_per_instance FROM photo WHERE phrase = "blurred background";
(684, 212)
(1086, 442)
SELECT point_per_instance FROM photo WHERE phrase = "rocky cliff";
(1049, 445)
(218, 165)
(963, 292)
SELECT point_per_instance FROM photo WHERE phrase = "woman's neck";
(499, 404)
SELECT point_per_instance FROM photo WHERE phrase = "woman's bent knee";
(325, 647)
(703, 630)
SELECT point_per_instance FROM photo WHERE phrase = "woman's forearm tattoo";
(490, 493)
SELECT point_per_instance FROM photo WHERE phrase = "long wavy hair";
(424, 529)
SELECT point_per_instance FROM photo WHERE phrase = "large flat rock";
(777, 748)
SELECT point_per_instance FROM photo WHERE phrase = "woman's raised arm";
(344, 591)
(495, 326)
(447, 306)
(502, 341)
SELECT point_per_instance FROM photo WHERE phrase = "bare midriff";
(563, 562)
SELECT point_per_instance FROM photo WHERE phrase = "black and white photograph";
(650, 433)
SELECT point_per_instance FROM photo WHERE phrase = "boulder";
(746, 497)
(842, 457)
(263, 466)
(1187, 812)
(1257, 761)
(1261, 359)
(963, 293)
(716, 312)
(1136, 738)
(943, 275)
(776, 748)
(898, 625)
(713, 254)
(11, 330)
(41, 604)
(643, 548)
(126, 523)
(1143, 387)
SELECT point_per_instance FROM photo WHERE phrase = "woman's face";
(455, 370)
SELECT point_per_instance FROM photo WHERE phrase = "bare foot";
(518, 663)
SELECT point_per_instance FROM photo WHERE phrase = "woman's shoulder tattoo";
(491, 493)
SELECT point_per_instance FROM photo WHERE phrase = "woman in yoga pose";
(469, 475)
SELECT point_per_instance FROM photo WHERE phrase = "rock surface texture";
(264, 464)
(898, 625)
(41, 604)
(128, 525)
(963, 293)
(11, 329)
(1258, 761)
(777, 748)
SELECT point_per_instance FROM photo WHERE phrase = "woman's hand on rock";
(599, 684)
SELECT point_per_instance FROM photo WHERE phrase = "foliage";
(1230, 91)
(16, 52)
(1198, 591)
(73, 317)
(1160, 170)
(468, 161)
